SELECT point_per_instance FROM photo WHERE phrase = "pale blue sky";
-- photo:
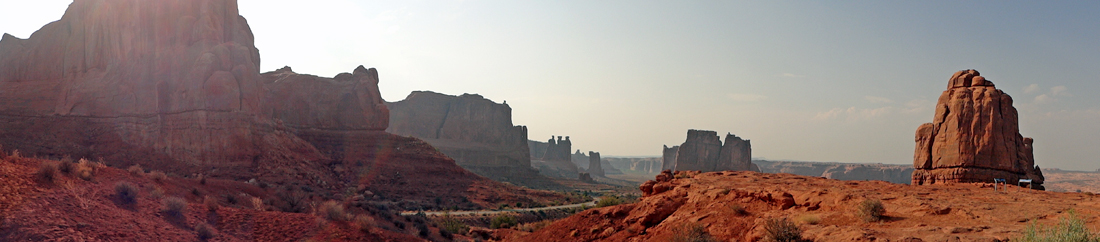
(804, 80)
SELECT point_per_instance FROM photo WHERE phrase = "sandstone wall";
(974, 137)
(901, 174)
(476, 132)
(594, 165)
(646, 165)
(552, 158)
(173, 81)
(703, 151)
(669, 157)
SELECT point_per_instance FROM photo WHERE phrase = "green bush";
(452, 225)
(609, 201)
(1069, 229)
(781, 230)
(871, 210)
(692, 233)
(502, 221)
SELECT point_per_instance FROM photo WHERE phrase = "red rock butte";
(974, 137)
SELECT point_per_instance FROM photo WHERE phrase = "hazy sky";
(808, 80)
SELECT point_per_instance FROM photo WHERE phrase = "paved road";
(494, 212)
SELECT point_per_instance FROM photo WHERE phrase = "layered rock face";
(645, 165)
(158, 80)
(475, 131)
(594, 166)
(552, 158)
(702, 151)
(900, 174)
(349, 101)
(974, 137)
(669, 157)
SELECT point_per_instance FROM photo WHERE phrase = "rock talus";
(974, 137)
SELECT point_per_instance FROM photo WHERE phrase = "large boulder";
(974, 137)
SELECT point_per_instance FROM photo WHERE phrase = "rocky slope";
(734, 206)
(69, 208)
(974, 137)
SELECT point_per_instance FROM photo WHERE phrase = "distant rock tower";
(974, 137)
(594, 166)
(703, 151)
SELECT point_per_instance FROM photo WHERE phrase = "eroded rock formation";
(476, 132)
(552, 158)
(974, 137)
(669, 157)
(594, 166)
(702, 151)
(646, 165)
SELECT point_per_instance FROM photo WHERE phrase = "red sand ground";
(955, 212)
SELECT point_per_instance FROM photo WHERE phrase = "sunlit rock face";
(172, 80)
(476, 132)
(974, 137)
(169, 85)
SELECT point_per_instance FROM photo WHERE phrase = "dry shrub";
(66, 165)
(333, 211)
(47, 172)
(738, 210)
(692, 233)
(15, 154)
(85, 170)
(257, 203)
(809, 219)
(126, 193)
(532, 227)
(782, 230)
(204, 231)
(211, 203)
(136, 170)
(174, 207)
(157, 193)
(202, 179)
(158, 176)
(871, 210)
(364, 223)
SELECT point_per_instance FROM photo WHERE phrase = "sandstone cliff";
(643, 165)
(702, 151)
(669, 157)
(476, 132)
(594, 166)
(584, 162)
(900, 174)
(974, 137)
(552, 158)
(175, 86)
